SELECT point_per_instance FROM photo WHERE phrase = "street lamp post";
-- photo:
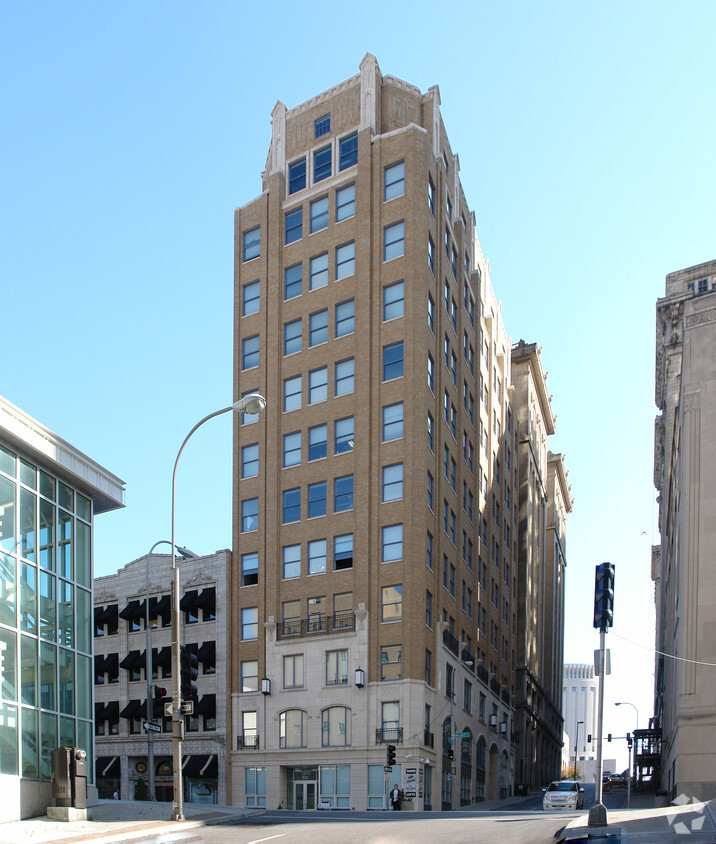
(629, 746)
(576, 742)
(186, 554)
(251, 403)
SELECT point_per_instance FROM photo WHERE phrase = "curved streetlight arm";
(251, 403)
(628, 703)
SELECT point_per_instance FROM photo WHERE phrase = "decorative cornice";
(701, 318)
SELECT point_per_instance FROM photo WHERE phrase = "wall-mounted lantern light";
(360, 678)
(265, 686)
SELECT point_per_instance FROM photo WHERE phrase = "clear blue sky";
(132, 130)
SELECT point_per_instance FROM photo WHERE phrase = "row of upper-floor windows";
(318, 164)
(195, 605)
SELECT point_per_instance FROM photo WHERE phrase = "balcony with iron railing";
(247, 743)
(317, 625)
(389, 735)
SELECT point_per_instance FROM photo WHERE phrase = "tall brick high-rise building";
(374, 591)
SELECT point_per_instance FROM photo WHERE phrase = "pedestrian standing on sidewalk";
(395, 798)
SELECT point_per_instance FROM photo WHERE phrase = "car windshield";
(563, 786)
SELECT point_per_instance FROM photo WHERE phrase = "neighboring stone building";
(544, 501)
(120, 638)
(580, 689)
(683, 568)
(49, 495)
(375, 577)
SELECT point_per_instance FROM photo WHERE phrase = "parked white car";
(563, 794)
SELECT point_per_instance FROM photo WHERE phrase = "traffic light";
(390, 755)
(629, 741)
(451, 754)
(188, 672)
(589, 738)
(604, 596)
(158, 702)
(609, 736)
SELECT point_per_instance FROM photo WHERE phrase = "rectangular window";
(292, 449)
(344, 435)
(431, 485)
(252, 243)
(249, 515)
(318, 214)
(391, 662)
(348, 151)
(292, 393)
(345, 260)
(393, 482)
(431, 254)
(393, 361)
(317, 442)
(394, 241)
(392, 422)
(431, 196)
(343, 494)
(393, 300)
(249, 676)
(296, 176)
(318, 385)
(428, 680)
(291, 505)
(345, 318)
(293, 281)
(343, 552)
(322, 126)
(322, 164)
(250, 298)
(431, 373)
(250, 352)
(345, 377)
(317, 556)
(391, 603)
(293, 225)
(318, 328)
(317, 499)
(431, 314)
(336, 668)
(394, 181)
(250, 460)
(293, 671)
(291, 560)
(249, 623)
(429, 609)
(429, 551)
(318, 271)
(431, 432)
(345, 202)
(391, 543)
(249, 569)
(292, 337)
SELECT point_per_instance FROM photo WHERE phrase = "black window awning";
(206, 706)
(189, 601)
(207, 599)
(160, 606)
(134, 609)
(131, 710)
(99, 710)
(111, 615)
(107, 766)
(111, 711)
(207, 653)
(201, 766)
(98, 616)
(111, 663)
(163, 656)
(134, 659)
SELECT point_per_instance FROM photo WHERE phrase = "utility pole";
(576, 743)
(603, 618)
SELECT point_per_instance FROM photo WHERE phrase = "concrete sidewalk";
(123, 820)
(644, 823)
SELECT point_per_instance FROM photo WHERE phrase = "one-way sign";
(151, 727)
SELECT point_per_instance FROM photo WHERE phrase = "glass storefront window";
(28, 670)
(67, 681)
(28, 598)
(7, 515)
(29, 743)
(82, 554)
(255, 786)
(83, 623)
(64, 544)
(65, 615)
(48, 677)
(8, 737)
(47, 535)
(67, 732)
(83, 668)
(8, 647)
(48, 621)
(28, 524)
(48, 742)
(7, 590)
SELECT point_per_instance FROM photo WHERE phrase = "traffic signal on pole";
(589, 738)
(188, 672)
(451, 754)
(604, 596)
(390, 755)
(609, 736)
(629, 742)
(158, 702)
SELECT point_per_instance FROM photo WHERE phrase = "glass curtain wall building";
(49, 493)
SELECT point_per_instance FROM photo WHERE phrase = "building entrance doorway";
(304, 795)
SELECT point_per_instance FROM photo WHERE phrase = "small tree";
(141, 792)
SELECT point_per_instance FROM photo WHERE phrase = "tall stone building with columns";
(683, 566)
(374, 592)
